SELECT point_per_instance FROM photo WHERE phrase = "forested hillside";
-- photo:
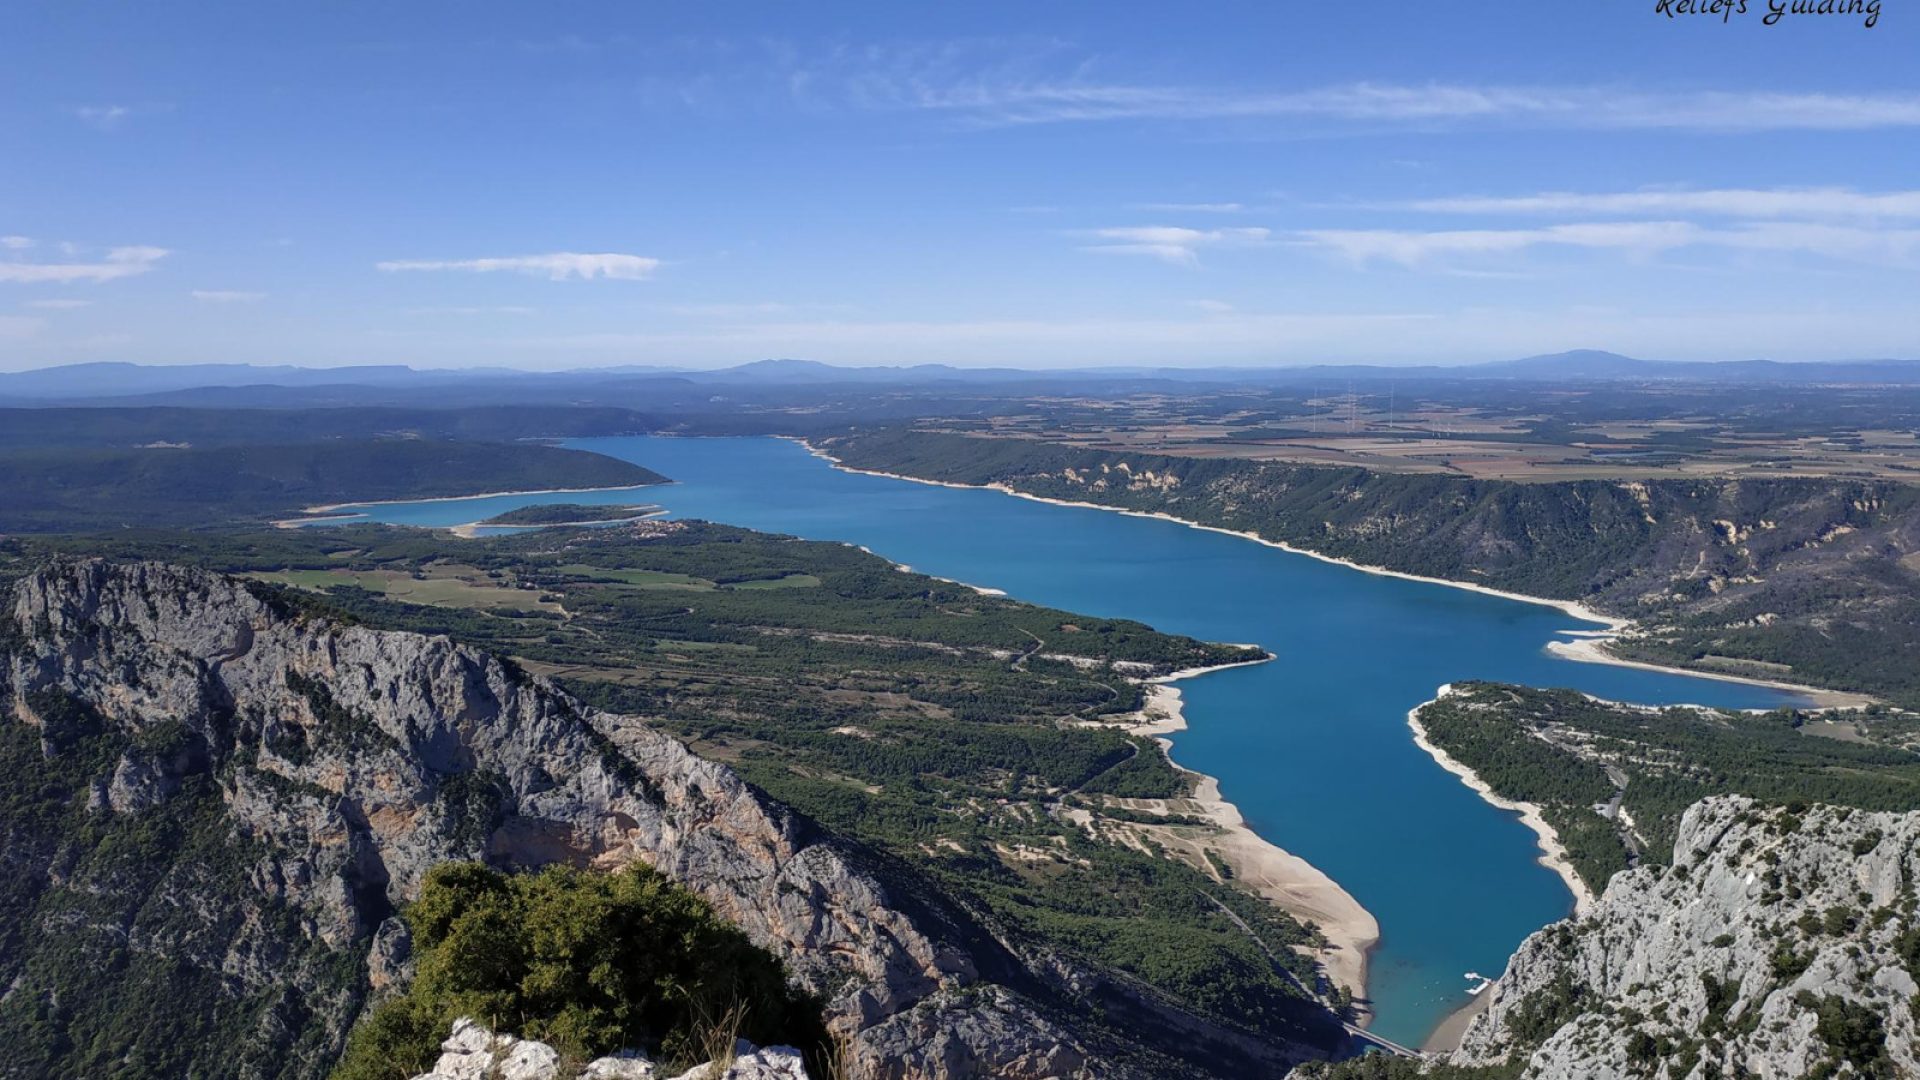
(1614, 780)
(128, 427)
(1812, 580)
(84, 490)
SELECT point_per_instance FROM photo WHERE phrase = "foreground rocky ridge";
(1779, 944)
(472, 1052)
(312, 773)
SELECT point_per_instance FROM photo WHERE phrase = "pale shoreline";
(328, 508)
(905, 569)
(1553, 855)
(471, 529)
(1589, 650)
(1282, 878)
(1592, 649)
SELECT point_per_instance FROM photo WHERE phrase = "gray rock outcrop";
(471, 1052)
(1780, 943)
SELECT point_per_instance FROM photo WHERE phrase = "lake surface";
(1313, 747)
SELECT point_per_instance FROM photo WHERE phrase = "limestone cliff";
(222, 802)
(1781, 943)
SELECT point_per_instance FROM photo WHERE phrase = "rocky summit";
(259, 790)
(472, 1052)
(1782, 942)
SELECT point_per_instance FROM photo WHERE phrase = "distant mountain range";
(360, 384)
(1597, 365)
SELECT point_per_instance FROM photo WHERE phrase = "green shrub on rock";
(588, 962)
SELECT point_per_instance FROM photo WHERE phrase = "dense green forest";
(563, 514)
(85, 490)
(1555, 748)
(947, 729)
(1806, 579)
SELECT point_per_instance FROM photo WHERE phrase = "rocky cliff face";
(1781, 943)
(230, 800)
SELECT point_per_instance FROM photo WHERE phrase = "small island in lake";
(571, 514)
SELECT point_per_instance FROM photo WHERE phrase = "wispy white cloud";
(16, 243)
(59, 304)
(558, 266)
(1191, 208)
(120, 262)
(1823, 202)
(495, 309)
(227, 296)
(104, 117)
(1434, 104)
(1171, 243)
(1035, 79)
(1417, 248)
(1413, 247)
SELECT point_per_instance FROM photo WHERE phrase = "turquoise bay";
(1313, 747)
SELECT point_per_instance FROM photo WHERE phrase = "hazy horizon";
(616, 367)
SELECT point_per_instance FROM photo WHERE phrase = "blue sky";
(1036, 184)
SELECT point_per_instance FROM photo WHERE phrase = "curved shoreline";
(905, 569)
(1360, 937)
(1553, 854)
(1591, 649)
(1284, 879)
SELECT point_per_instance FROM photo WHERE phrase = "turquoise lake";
(1313, 747)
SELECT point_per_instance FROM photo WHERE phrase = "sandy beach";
(1552, 855)
(1284, 879)
(1454, 1028)
(1592, 649)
